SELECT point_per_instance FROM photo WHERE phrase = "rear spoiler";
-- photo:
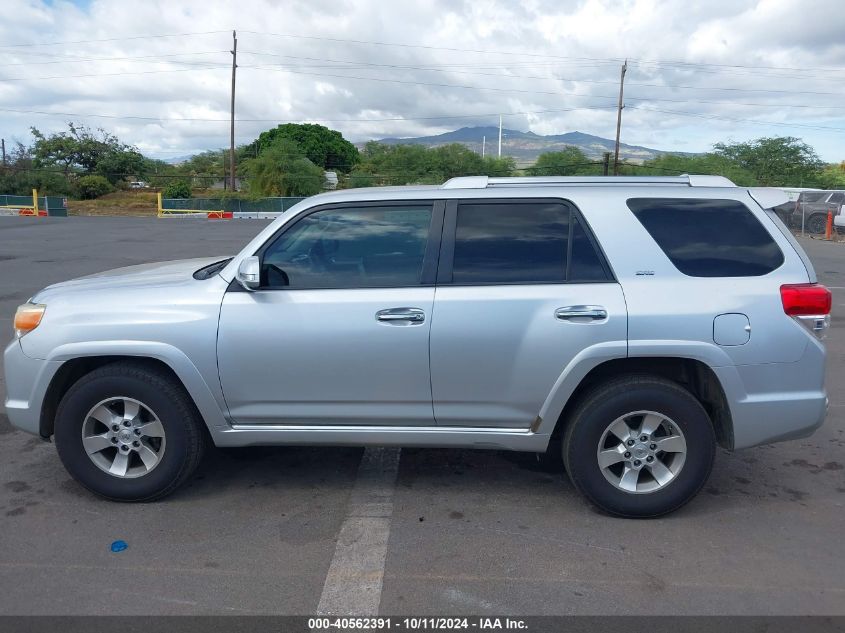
(768, 197)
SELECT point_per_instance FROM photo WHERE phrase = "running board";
(342, 435)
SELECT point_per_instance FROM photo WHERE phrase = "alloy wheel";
(123, 437)
(641, 452)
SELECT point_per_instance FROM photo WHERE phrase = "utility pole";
(605, 167)
(234, 52)
(3, 145)
(619, 119)
(500, 136)
(483, 145)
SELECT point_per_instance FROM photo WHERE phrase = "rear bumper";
(27, 380)
(774, 402)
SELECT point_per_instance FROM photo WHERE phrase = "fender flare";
(590, 358)
(209, 401)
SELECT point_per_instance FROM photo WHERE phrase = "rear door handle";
(411, 316)
(585, 313)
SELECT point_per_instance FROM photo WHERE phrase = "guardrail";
(217, 214)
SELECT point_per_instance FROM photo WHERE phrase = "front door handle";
(585, 313)
(401, 316)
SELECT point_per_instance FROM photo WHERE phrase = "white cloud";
(561, 50)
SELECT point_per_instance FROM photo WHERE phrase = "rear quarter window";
(708, 238)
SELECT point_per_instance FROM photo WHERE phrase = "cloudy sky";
(157, 72)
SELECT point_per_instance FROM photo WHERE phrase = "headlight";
(27, 317)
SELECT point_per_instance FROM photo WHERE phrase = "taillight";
(809, 304)
(805, 299)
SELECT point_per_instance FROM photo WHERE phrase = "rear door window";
(585, 263)
(521, 242)
(709, 238)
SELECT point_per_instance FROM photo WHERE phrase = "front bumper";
(27, 380)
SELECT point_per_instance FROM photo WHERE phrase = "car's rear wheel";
(816, 224)
(639, 446)
(129, 432)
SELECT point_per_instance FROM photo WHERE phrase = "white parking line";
(353, 583)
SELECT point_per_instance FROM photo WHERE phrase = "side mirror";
(249, 273)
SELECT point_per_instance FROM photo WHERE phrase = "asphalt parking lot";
(472, 532)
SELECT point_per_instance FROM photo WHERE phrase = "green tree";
(570, 161)
(93, 186)
(775, 161)
(205, 168)
(120, 164)
(86, 150)
(177, 189)
(703, 164)
(383, 164)
(454, 159)
(324, 147)
(499, 167)
(157, 172)
(282, 170)
(832, 176)
(20, 176)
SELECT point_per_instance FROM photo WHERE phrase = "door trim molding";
(357, 435)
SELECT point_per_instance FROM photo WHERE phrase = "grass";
(132, 202)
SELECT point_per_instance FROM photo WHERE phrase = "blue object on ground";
(119, 546)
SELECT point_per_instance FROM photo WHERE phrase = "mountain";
(178, 160)
(525, 147)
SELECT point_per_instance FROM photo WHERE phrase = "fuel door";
(731, 329)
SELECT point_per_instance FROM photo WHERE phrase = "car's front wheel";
(129, 432)
(639, 446)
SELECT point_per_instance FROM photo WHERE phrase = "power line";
(607, 60)
(429, 118)
(613, 60)
(538, 92)
(352, 64)
(276, 120)
(134, 72)
(211, 66)
(74, 60)
(748, 67)
(723, 118)
(109, 39)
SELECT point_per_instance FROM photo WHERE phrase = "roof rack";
(485, 182)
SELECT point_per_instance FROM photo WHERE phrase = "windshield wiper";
(212, 269)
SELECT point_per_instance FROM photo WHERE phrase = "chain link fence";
(233, 205)
(53, 205)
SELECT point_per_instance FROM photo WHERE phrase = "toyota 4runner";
(631, 325)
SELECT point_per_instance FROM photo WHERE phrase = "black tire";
(183, 427)
(816, 224)
(616, 398)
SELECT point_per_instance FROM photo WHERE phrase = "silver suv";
(629, 325)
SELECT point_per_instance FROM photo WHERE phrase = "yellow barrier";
(212, 215)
